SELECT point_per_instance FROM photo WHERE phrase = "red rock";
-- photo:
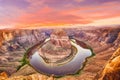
(60, 38)
(57, 48)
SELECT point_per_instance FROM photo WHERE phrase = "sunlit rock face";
(5, 36)
(112, 68)
(60, 39)
(57, 48)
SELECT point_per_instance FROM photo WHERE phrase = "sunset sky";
(35, 13)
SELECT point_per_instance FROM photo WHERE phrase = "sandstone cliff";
(112, 68)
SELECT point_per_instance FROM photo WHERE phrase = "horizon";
(63, 27)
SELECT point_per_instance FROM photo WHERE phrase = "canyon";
(104, 41)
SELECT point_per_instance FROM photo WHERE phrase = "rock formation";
(57, 48)
(112, 68)
(100, 39)
(60, 38)
(30, 77)
(25, 73)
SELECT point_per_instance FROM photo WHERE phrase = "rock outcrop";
(30, 77)
(112, 68)
(25, 73)
(57, 48)
(60, 38)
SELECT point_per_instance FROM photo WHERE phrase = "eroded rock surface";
(112, 68)
(57, 48)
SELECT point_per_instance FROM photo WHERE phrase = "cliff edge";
(112, 69)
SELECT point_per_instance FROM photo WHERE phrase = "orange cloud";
(56, 12)
(51, 16)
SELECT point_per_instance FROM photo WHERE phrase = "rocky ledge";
(30, 77)
(112, 69)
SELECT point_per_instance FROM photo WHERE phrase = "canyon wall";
(103, 41)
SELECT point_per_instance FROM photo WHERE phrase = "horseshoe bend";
(60, 54)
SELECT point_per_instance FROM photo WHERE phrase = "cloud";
(84, 15)
(108, 21)
(79, 0)
(48, 15)
(9, 14)
(58, 11)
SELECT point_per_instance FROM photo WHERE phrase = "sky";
(36, 13)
